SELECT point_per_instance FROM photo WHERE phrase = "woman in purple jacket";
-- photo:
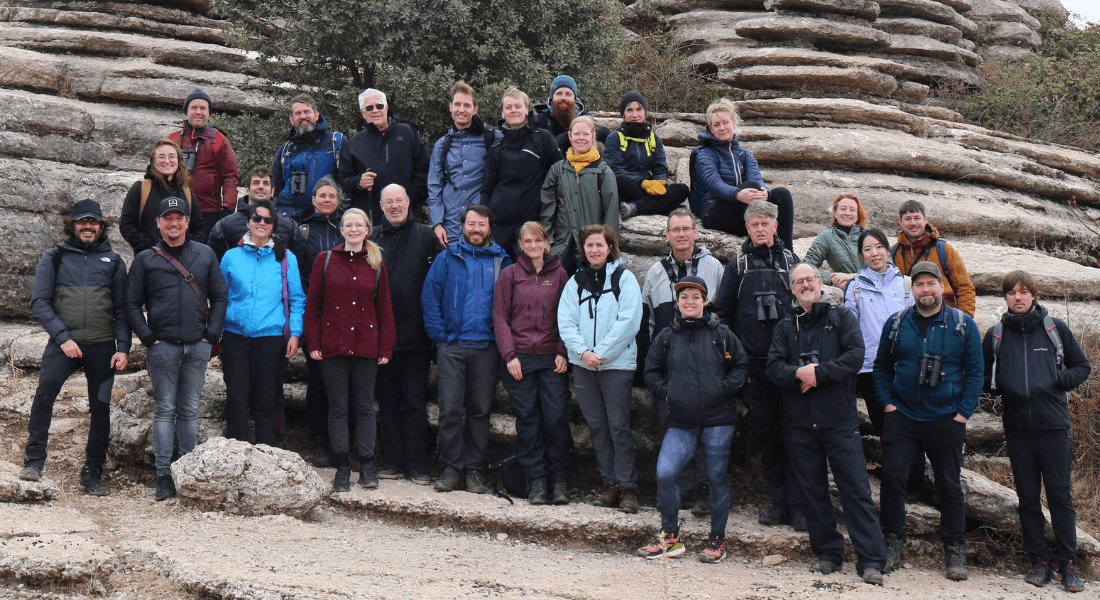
(525, 308)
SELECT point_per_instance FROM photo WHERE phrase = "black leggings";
(730, 216)
(674, 196)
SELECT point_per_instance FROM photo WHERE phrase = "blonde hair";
(536, 229)
(374, 252)
(583, 119)
(518, 94)
(723, 105)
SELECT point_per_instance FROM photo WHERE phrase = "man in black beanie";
(637, 156)
(210, 159)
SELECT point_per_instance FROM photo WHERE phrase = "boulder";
(1053, 7)
(679, 133)
(9, 332)
(929, 10)
(820, 32)
(234, 476)
(1056, 277)
(1014, 34)
(645, 235)
(910, 26)
(1001, 10)
(863, 9)
(14, 489)
(985, 428)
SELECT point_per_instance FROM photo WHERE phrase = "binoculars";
(766, 306)
(930, 370)
(189, 157)
(298, 183)
(809, 358)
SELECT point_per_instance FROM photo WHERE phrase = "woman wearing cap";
(697, 366)
(578, 191)
(731, 179)
(637, 155)
(165, 177)
(263, 324)
(599, 314)
(839, 245)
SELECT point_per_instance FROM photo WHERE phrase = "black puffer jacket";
(408, 252)
(767, 271)
(687, 366)
(833, 333)
(512, 184)
(175, 312)
(396, 155)
(227, 233)
(1031, 385)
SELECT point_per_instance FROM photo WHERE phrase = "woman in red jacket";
(349, 329)
(525, 320)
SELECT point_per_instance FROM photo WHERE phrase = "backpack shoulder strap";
(960, 321)
(489, 136)
(146, 188)
(286, 301)
(304, 228)
(445, 176)
(377, 278)
(498, 144)
(616, 275)
(895, 326)
(941, 253)
(998, 334)
(190, 201)
(894, 254)
(855, 296)
(536, 137)
(328, 257)
(1052, 333)
(337, 142)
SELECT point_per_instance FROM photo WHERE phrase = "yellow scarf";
(580, 161)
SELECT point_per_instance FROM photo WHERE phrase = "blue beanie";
(563, 81)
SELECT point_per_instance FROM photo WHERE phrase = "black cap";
(173, 203)
(691, 281)
(928, 267)
(197, 95)
(87, 208)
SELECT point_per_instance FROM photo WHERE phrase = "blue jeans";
(177, 372)
(677, 448)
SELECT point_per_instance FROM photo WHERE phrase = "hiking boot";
(32, 471)
(608, 496)
(1071, 581)
(776, 515)
(955, 559)
(342, 481)
(418, 478)
(672, 546)
(701, 506)
(90, 483)
(475, 483)
(872, 576)
(166, 488)
(628, 501)
(1040, 574)
(627, 210)
(798, 520)
(391, 473)
(893, 552)
(448, 482)
(539, 495)
(715, 550)
(367, 478)
(560, 493)
(824, 567)
(321, 457)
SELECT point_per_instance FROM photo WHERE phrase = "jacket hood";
(208, 132)
(1026, 322)
(931, 234)
(320, 131)
(527, 265)
(644, 129)
(100, 244)
(706, 139)
(548, 106)
(464, 247)
(392, 120)
(870, 278)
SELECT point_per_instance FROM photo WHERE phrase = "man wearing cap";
(816, 352)
(79, 287)
(210, 159)
(928, 375)
(179, 284)
(563, 105)
(637, 155)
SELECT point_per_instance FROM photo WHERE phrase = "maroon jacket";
(525, 308)
(214, 178)
(344, 315)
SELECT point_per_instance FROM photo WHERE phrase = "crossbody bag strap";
(187, 276)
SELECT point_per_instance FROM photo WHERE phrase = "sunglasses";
(262, 219)
(374, 107)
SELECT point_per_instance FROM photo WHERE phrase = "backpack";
(650, 143)
(1052, 333)
(956, 314)
(907, 284)
(581, 277)
(941, 253)
(489, 136)
(147, 188)
(288, 148)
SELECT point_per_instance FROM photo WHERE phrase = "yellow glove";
(654, 187)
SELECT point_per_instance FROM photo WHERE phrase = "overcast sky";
(1089, 9)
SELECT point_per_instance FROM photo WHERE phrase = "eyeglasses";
(804, 281)
(394, 202)
(680, 230)
(374, 107)
(262, 219)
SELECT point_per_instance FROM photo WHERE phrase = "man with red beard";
(560, 109)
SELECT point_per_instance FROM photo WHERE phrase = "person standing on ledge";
(210, 160)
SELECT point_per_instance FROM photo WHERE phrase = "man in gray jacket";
(78, 291)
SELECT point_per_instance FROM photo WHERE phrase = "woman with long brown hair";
(165, 177)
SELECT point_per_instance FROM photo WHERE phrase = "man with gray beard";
(311, 153)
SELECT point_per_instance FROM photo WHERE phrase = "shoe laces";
(1039, 568)
(956, 557)
(1071, 570)
(715, 544)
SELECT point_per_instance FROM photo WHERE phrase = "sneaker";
(672, 546)
(872, 576)
(475, 483)
(1040, 574)
(628, 501)
(418, 478)
(893, 552)
(32, 471)
(539, 495)
(90, 483)
(342, 481)
(166, 488)
(367, 478)
(1071, 581)
(824, 567)
(776, 515)
(608, 496)
(391, 473)
(715, 550)
(955, 559)
(701, 506)
(798, 520)
(627, 210)
(560, 493)
(321, 457)
(448, 482)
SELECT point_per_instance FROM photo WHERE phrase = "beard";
(304, 129)
(807, 296)
(929, 302)
(564, 111)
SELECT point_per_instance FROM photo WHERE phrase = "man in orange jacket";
(919, 241)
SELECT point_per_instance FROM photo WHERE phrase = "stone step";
(106, 21)
(920, 27)
(50, 545)
(916, 45)
(14, 489)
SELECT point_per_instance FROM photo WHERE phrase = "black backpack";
(581, 277)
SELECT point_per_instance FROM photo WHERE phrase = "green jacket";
(839, 249)
(571, 201)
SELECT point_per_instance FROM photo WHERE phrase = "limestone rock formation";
(46, 545)
(13, 489)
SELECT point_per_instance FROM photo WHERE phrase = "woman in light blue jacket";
(599, 314)
(262, 325)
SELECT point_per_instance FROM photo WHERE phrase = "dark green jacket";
(570, 202)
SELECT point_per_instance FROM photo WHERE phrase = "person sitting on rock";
(696, 366)
(79, 288)
(837, 245)
(557, 114)
(209, 158)
(731, 178)
(637, 155)
(919, 241)
(310, 153)
(165, 177)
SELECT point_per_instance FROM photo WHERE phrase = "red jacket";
(344, 315)
(214, 178)
(525, 308)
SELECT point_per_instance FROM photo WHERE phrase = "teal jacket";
(838, 249)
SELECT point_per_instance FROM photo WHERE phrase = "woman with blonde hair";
(349, 329)
(838, 245)
(165, 177)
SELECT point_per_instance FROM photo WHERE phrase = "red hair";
(862, 220)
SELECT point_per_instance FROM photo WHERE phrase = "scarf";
(580, 161)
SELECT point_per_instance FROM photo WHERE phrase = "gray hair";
(302, 99)
(813, 269)
(762, 208)
(681, 211)
(331, 182)
(367, 93)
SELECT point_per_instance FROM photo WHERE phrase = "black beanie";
(631, 97)
(197, 95)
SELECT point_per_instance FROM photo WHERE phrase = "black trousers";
(55, 369)
(675, 194)
(942, 440)
(253, 380)
(403, 411)
(1042, 458)
(540, 401)
(350, 384)
(762, 399)
(865, 387)
(730, 216)
(316, 401)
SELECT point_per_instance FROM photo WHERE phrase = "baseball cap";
(87, 208)
(691, 281)
(173, 203)
(928, 267)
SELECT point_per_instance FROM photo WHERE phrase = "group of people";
(519, 277)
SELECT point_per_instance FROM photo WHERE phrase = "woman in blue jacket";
(262, 324)
(731, 178)
(599, 314)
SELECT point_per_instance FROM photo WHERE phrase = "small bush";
(655, 66)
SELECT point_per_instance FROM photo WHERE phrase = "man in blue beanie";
(560, 109)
